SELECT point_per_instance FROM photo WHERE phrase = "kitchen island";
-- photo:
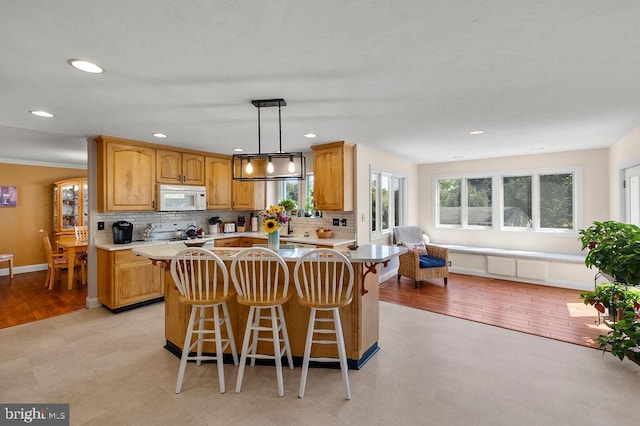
(359, 319)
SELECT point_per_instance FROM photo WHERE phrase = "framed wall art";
(8, 196)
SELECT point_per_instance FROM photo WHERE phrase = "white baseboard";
(387, 275)
(23, 269)
(92, 302)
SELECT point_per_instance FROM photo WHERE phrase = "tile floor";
(431, 370)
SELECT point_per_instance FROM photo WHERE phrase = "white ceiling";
(407, 77)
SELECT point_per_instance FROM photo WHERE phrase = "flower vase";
(273, 240)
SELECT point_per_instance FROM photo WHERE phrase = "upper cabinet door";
(333, 169)
(179, 167)
(127, 174)
(192, 169)
(218, 182)
(168, 166)
(250, 195)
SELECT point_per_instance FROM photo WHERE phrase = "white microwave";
(175, 198)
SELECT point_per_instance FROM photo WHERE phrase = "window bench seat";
(564, 270)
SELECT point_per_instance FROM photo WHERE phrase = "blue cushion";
(431, 262)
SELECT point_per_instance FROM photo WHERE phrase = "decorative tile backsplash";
(141, 220)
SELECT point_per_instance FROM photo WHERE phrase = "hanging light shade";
(277, 165)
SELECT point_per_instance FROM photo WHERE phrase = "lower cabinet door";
(137, 281)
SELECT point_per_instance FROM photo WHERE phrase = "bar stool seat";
(324, 282)
(261, 279)
(8, 258)
(203, 282)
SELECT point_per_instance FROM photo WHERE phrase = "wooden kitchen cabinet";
(179, 167)
(125, 279)
(233, 242)
(251, 195)
(126, 175)
(70, 206)
(333, 169)
(218, 180)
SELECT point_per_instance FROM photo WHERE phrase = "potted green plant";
(624, 338)
(288, 204)
(617, 298)
(614, 249)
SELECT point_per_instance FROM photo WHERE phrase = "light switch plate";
(100, 226)
(343, 222)
(336, 222)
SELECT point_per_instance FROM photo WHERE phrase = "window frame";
(498, 200)
(401, 216)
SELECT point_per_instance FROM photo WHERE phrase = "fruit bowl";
(194, 243)
(324, 233)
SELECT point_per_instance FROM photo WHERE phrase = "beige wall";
(34, 211)
(366, 158)
(595, 202)
(623, 154)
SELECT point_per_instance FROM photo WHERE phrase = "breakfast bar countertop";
(368, 253)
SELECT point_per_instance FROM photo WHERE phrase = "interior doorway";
(632, 195)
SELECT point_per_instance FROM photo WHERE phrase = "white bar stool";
(261, 279)
(8, 258)
(203, 282)
(324, 282)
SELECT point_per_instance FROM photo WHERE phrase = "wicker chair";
(410, 261)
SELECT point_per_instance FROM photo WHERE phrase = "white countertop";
(210, 238)
(367, 253)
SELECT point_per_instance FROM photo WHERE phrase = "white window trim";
(498, 200)
(403, 201)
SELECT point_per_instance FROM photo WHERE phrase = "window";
(465, 202)
(387, 201)
(301, 191)
(538, 201)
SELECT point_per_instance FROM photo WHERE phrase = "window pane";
(308, 199)
(384, 193)
(517, 192)
(374, 193)
(479, 201)
(556, 201)
(450, 201)
(291, 190)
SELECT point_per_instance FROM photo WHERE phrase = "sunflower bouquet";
(273, 218)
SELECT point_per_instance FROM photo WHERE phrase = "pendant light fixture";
(278, 165)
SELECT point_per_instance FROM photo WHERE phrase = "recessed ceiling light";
(159, 135)
(41, 113)
(536, 148)
(476, 132)
(238, 150)
(457, 157)
(85, 66)
(310, 135)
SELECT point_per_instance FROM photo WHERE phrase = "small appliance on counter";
(241, 224)
(214, 224)
(229, 227)
(122, 232)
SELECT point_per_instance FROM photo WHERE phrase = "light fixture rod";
(279, 127)
(259, 151)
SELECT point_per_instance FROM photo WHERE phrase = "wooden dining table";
(72, 247)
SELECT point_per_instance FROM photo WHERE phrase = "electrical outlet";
(100, 226)
(336, 222)
(344, 222)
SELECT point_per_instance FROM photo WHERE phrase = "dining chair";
(203, 282)
(324, 283)
(8, 258)
(55, 261)
(82, 234)
(261, 279)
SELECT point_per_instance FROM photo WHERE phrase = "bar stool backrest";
(324, 277)
(199, 275)
(260, 276)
